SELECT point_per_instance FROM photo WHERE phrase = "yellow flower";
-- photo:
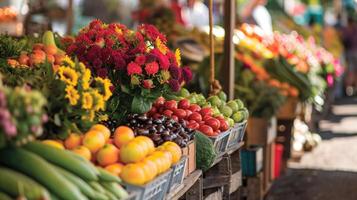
(105, 87)
(161, 46)
(178, 56)
(72, 95)
(87, 101)
(68, 61)
(103, 117)
(86, 79)
(68, 75)
(98, 101)
(90, 116)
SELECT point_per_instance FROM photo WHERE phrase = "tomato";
(161, 109)
(194, 125)
(188, 112)
(174, 117)
(152, 111)
(184, 104)
(156, 115)
(223, 124)
(206, 117)
(195, 108)
(180, 113)
(195, 116)
(206, 111)
(214, 123)
(171, 105)
(207, 130)
(168, 113)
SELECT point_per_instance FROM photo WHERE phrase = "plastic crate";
(177, 174)
(252, 160)
(237, 133)
(154, 190)
(220, 142)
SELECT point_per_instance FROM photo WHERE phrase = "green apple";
(238, 116)
(240, 104)
(226, 110)
(215, 101)
(245, 112)
(230, 121)
(192, 99)
(233, 105)
(222, 96)
(215, 111)
(184, 92)
(205, 105)
(200, 97)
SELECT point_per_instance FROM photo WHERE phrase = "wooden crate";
(190, 152)
(290, 109)
(190, 189)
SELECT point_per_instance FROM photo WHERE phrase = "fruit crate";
(154, 190)
(177, 174)
(220, 142)
(237, 133)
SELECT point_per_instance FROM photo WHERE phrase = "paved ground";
(329, 172)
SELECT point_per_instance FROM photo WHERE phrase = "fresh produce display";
(47, 172)
(138, 62)
(46, 51)
(161, 128)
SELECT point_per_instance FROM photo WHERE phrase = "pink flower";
(151, 68)
(187, 74)
(103, 73)
(174, 85)
(134, 68)
(140, 59)
(163, 60)
(175, 72)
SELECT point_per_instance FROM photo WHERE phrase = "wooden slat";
(187, 184)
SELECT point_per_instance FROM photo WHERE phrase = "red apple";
(188, 112)
(194, 125)
(206, 117)
(159, 101)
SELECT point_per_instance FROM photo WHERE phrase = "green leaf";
(140, 104)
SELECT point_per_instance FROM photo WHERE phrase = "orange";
(159, 160)
(115, 168)
(150, 147)
(132, 152)
(168, 160)
(110, 141)
(123, 135)
(107, 155)
(93, 140)
(174, 149)
(133, 174)
(83, 151)
(73, 141)
(149, 168)
(53, 143)
(103, 129)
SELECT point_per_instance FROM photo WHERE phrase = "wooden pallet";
(253, 187)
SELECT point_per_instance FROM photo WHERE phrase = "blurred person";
(350, 43)
(195, 14)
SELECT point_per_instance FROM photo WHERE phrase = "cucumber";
(115, 189)
(16, 184)
(97, 187)
(106, 176)
(40, 170)
(82, 185)
(4, 196)
(64, 159)
(110, 195)
(54, 197)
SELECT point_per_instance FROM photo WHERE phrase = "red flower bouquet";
(138, 63)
